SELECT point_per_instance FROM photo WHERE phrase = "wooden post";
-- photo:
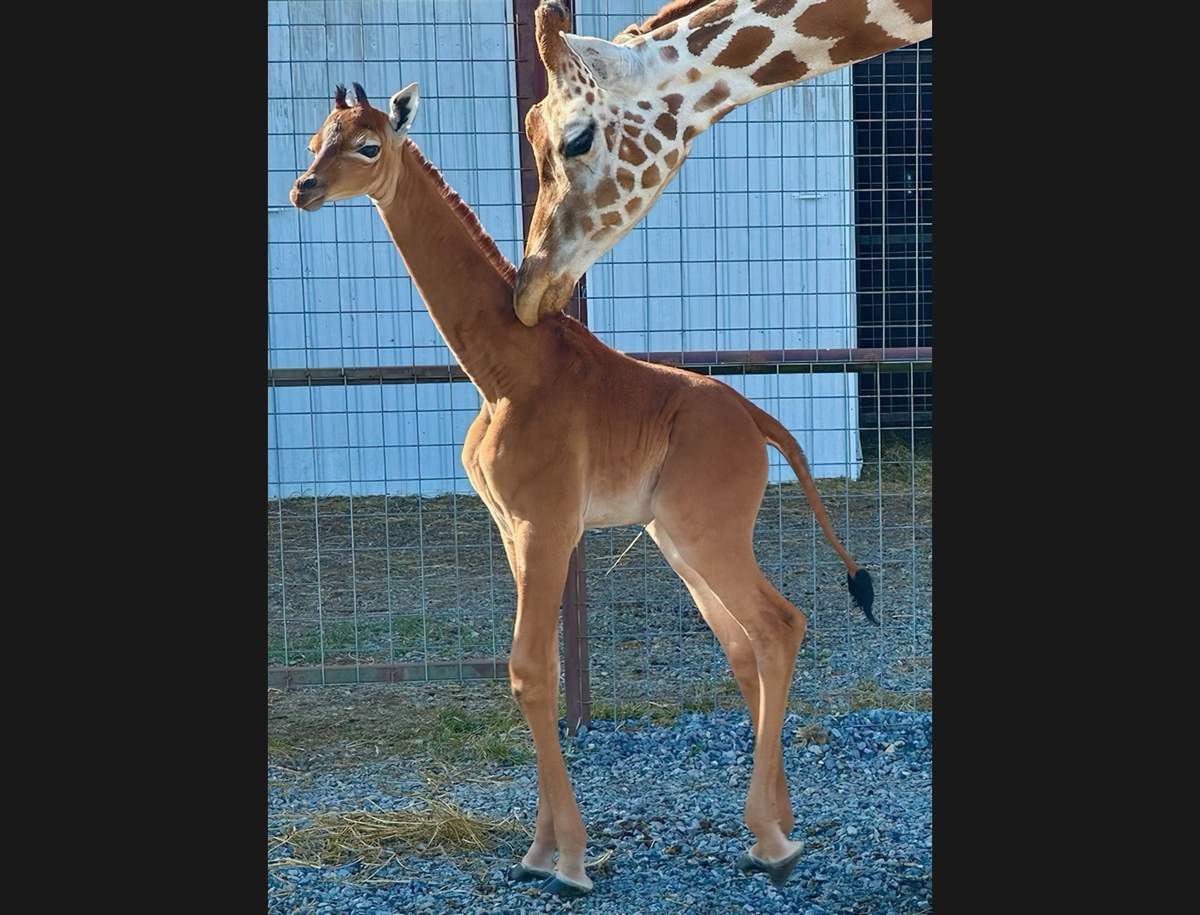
(531, 88)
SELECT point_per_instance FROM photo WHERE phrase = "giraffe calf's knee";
(528, 681)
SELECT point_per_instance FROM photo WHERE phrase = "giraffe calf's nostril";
(307, 184)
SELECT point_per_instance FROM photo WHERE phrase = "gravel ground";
(667, 802)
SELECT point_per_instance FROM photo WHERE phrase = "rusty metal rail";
(713, 362)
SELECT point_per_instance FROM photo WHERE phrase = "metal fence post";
(531, 88)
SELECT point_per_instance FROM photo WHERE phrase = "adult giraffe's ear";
(611, 64)
(402, 108)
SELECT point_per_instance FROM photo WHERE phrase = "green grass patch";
(362, 724)
(867, 694)
(378, 639)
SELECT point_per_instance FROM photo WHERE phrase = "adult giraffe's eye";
(370, 151)
(580, 143)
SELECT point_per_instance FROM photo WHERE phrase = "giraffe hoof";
(564, 890)
(777, 872)
(519, 873)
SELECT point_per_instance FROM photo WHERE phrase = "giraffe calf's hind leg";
(738, 651)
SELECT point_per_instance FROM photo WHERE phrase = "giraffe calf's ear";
(611, 64)
(402, 108)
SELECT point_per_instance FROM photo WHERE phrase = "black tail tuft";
(862, 591)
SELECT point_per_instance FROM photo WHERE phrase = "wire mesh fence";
(792, 247)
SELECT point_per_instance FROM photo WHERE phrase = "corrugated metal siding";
(750, 247)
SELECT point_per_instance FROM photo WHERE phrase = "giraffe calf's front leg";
(539, 558)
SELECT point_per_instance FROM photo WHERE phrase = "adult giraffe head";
(619, 117)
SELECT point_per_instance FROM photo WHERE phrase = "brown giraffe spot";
(693, 75)
(650, 176)
(666, 33)
(703, 36)
(713, 96)
(645, 106)
(668, 53)
(591, 97)
(711, 13)
(775, 8)
(866, 42)
(845, 20)
(610, 136)
(614, 109)
(625, 178)
(666, 126)
(919, 10)
(651, 142)
(688, 133)
(632, 206)
(586, 224)
(782, 68)
(632, 131)
(599, 235)
(632, 153)
(611, 219)
(673, 101)
(606, 193)
(832, 18)
(720, 114)
(636, 118)
(578, 91)
(671, 158)
(745, 47)
(591, 83)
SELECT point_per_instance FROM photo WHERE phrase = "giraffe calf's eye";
(580, 143)
(370, 151)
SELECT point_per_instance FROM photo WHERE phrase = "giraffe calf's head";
(605, 148)
(357, 149)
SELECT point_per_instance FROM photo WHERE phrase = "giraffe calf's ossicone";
(650, 92)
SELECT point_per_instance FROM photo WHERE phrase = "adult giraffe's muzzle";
(540, 289)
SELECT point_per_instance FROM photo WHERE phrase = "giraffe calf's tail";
(862, 592)
(858, 580)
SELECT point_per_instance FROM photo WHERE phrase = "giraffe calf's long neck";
(468, 294)
(730, 52)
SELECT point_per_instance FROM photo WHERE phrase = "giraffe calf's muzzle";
(307, 193)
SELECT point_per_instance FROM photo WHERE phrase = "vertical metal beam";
(531, 88)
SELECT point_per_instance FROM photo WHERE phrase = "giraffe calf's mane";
(460, 208)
